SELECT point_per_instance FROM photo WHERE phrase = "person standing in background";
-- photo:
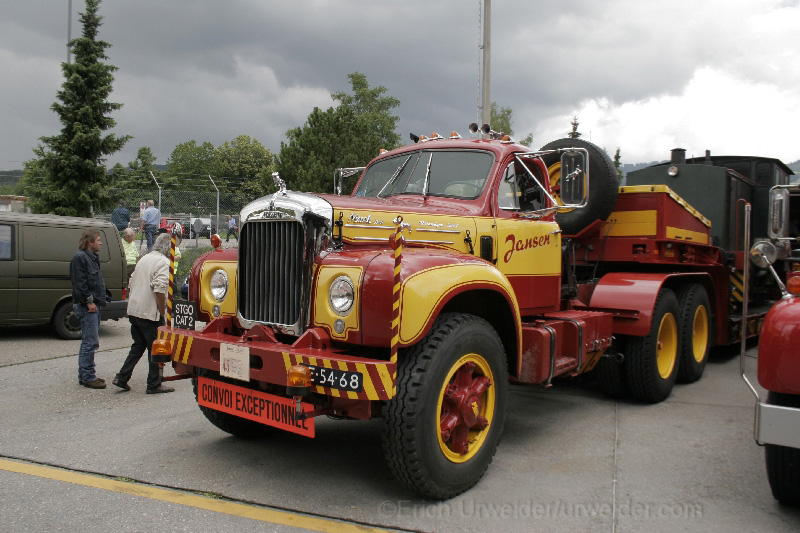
(150, 219)
(232, 229)
(130, 249)
(89, 294)
(121, 217)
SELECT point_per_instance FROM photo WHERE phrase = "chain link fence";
(200, 213)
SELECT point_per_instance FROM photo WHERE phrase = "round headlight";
(219, 285)
(341, 295)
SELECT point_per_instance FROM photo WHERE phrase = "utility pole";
(486, 100)
(69, 30)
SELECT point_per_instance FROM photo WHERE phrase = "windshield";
(458, 173)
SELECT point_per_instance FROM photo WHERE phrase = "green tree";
(501, 121)
(137, 174)
(574, 134)
(373, 111)
(190, 159)
(618, 165)
(245, 166)
(349, 135)
(32, 178)
(72, 164)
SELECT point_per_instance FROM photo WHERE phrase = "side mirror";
(763, 254)
(573, 177)
(778, 213)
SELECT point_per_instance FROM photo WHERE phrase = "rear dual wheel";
(442, 428)
(695, 332)
(651, 362)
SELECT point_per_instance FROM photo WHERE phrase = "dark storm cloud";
(209, 70)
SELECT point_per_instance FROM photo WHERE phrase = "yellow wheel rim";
(667, 347)
(700, 333)
(465, 408)
(554, 174)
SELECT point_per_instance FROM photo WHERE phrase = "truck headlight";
(341, 295)
(219, 285)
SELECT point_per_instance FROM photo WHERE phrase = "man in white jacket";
(147, 302)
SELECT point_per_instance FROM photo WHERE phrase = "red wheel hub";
(462, 407)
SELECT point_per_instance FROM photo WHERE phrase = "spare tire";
(602, 190)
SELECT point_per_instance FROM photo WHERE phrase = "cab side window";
(5, 243)
(519, 191)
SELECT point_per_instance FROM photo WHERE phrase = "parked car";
(168, 222)
(35, 286)
(207, 227)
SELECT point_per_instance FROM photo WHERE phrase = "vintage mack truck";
(455, 266)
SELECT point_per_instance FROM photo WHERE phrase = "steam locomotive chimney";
(678, 156)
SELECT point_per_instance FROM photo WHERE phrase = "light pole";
(69, 30)
(486, 101)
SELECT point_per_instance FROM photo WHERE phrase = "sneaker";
(121, 384)
(160, 389)
(96, 384)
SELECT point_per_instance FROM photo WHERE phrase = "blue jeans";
(150, 234)
(90, 341)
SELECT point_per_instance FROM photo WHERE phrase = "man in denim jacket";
(88, 296)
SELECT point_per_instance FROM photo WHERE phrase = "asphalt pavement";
(569, 460)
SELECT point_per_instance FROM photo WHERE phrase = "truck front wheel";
(442, 428)
(783, 462)
(651, 362)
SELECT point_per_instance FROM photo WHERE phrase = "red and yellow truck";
(455, 266)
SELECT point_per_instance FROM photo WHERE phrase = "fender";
(778, 352)
(633, 296)
(430, 279)
(200, 274)
(424, 294)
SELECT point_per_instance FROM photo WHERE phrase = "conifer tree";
(618, 165)
(574, 134)
(74, 179)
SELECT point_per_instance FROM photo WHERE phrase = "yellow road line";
(272, 516)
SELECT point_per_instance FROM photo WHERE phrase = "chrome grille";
(271, 271)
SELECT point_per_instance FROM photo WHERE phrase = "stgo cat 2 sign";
(185, 314)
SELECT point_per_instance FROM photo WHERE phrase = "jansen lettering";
(520, 244)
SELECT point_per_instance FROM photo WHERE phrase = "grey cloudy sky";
(645, 76)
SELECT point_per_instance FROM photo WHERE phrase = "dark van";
(35, 287)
